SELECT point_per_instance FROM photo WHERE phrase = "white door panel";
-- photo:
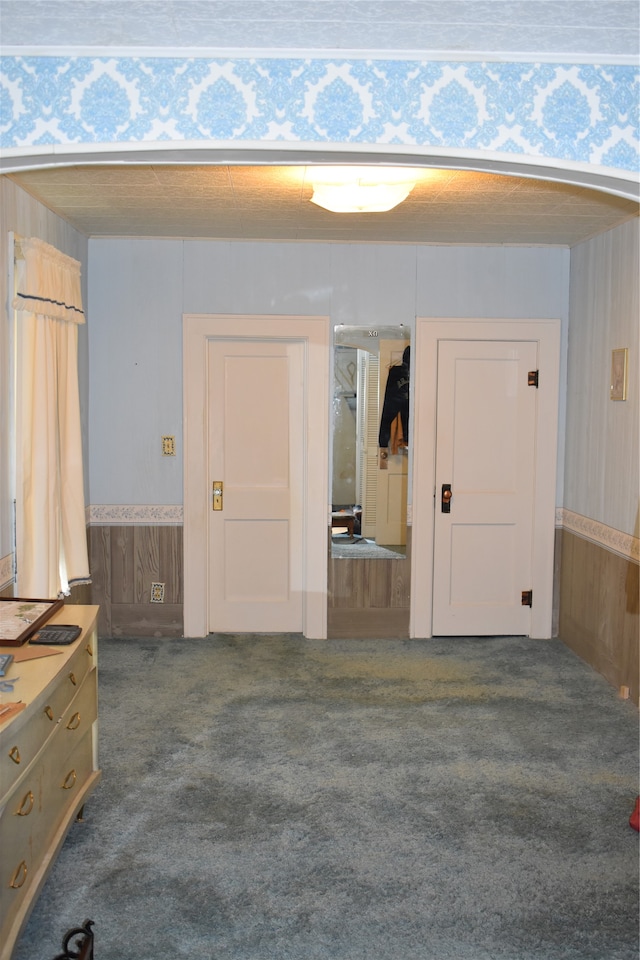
(247, 578)
(310, 499)
(391, 493)
(485, 449)
(256, 431)
(391, 526)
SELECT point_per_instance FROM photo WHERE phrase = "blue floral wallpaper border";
(580, 113)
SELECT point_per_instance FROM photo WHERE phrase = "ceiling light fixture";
(361, 189)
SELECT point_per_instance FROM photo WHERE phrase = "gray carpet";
(344, 549)
(272, 797)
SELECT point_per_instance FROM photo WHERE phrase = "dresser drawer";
(22, 827)
(70, 681)
(32, 817)
(29, 812)
(47, 766)
(31, 735)
(76, 720)
(63, 781)
(21, 749)
(18, 821)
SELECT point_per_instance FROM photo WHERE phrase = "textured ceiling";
(546, 27)
(273, 203)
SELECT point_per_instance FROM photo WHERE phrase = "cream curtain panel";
(51, 541)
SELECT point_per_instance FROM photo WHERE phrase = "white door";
(485, 455)
(255, 450)
(391, 493)
(367, 426)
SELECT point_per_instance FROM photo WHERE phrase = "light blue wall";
(139, 290)
(508, 282)
(351, 283)
(135, 360)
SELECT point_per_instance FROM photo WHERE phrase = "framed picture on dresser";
(19, 618)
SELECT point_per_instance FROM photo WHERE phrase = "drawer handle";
(14, 753)
(69, 780)
(74, 722)
(72, 677)
(89, 649)
(19, 876)
(26, 806)
(49, 713)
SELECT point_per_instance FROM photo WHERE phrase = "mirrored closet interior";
(370, 442)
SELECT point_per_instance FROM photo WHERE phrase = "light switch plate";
(168, 446)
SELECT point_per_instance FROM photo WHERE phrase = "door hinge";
(532, 378)
(527, 598)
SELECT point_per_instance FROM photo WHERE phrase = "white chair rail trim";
(109, 514)
(624, 544)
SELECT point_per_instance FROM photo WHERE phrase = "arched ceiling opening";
(258, 201)
(261, 190)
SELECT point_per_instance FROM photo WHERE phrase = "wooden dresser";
(48, 765)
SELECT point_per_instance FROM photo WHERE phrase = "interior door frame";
(424, 371)
(314, 333)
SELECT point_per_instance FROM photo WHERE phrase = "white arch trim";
(311, 53)
(621, 183)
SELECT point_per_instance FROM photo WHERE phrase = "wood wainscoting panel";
(123, 573)
(374, 623)
(146, 620)
(80, 594)
(100, 569)
(369, 598)
(599, 617)
(125, 560)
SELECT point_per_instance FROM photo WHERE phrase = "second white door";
(485, 481)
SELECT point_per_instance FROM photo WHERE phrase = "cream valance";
(47, 282)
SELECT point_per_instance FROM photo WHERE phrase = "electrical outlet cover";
(157, 593)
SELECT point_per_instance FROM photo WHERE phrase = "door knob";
(446, 498)
(218, 489)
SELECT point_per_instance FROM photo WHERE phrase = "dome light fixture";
(361, 189)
